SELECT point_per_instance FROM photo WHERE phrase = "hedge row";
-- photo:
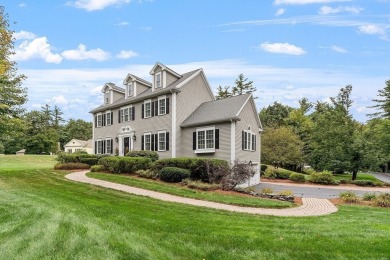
(117, 164)
(277, 173)
(174, 174)
(199, 168)
(148, 154)
(90, 159)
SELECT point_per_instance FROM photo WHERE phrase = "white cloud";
(338, 49)
(304, 2)
(279, 12)
(371, 29)
(282, 48)
(96, 91)
(58, 100)
(81, 53)
(124, 23)
(24, 35)
(22, 5)
(94, 5)
(126, 54)
(324, 10)
(38, 48)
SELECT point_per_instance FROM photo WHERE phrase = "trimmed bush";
(308, 170)
(348, 197)
(263, 168)
(146, 174)
(270, 173)
(283, 173)
(365, 183)
(71, 166)
(148, 154)
(97, 168)
(200, 168)
(63, 157)
(116, 164)
(174, 174)
(297, 177)
(345, 181)
(322, 177)
(90, 161)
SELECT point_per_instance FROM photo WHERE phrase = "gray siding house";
(177, 116)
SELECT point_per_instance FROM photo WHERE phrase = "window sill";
(205, 151)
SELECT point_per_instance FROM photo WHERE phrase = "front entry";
(126, 145)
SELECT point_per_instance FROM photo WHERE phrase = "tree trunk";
(386, 167)
(354, 174)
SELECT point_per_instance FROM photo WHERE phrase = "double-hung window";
(158, 80)
(108, 118)
(99, 120)
(127, 114)
(249, 141)
(148, 141)
(99, 146)
(107, 97)
(148, 108)
(108, 146)
(162, 141)
(162, 105)
(129, 89)
(205, 138)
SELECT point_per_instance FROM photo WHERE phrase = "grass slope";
(190, 193)
(43, 215)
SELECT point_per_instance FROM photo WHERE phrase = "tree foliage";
(383, 102)
(242, 86)
(275, 115)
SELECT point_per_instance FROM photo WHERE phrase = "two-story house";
(177, 116)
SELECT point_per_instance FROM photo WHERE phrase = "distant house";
(76, 145)
(21, 152)
(177, 115)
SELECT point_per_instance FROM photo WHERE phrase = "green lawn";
(45, 216)
(23, 162)
(190, 193)
(360, 176)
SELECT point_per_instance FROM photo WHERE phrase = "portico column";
(120, 145)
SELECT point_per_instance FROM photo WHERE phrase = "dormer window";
(129, 89)
(107, 97)
(158, 80)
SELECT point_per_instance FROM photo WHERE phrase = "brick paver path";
(309, 207)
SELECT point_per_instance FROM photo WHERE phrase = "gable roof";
(135, 78)
(113, 87)
(82, 143)
(217, 111)
(149, 93)
(163, 67)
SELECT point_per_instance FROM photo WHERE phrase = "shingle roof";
(147, 93)
(147, 83)
(216, 111)
(115, 87)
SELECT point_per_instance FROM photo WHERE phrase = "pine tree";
(383, 103)
(243, 86)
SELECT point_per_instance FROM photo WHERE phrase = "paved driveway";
(385, 177)
(318, 191)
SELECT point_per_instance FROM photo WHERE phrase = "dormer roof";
(131, 77)
(163, 67)
(112, 86)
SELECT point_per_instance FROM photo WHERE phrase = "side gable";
(203, 76)
(252, 104)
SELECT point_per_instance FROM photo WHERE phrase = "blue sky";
(290, 48)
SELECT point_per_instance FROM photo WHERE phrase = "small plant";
(286, 193)
(146, 174)
(239, 173)
(71, 166)
(369, 196)
(249, 189)
(365, 183)
(202, 185)
(348, 197)
(297, 177)
(267, 190)
(322, 177)
(174, 174)
(383, 200)
(97, 168)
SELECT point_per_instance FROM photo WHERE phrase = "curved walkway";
(309, 207)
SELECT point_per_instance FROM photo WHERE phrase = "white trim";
(254, 110)
(164, 78)
(101, 146)
(129, 86)
(101, 120)
(174, 127)
(134, 89)
(164, 97)
(146, 102)
(233, 141)
(163, 67)
(155, 80)
(189, 79)
(150, 135)
(93, 136)
(205, 149)
(111, 122)
(109, 139)
(112, 96)
(165, 140)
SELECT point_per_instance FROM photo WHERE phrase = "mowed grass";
(191, 193)
(45, 216)
(360, 176)
(23, 162)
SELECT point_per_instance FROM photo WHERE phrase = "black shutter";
(152, 108)
(104, 119)
(119, 116)
(167, 141)
(112, 118)
(167, 106)
(133, 113)
(104, 147)
(194, 141)
(156, 107)
(216, 138)
(142, 142)
(254, 142)
(95, 147)
(152, 142)
(156, 142)
(95, 121)
(143, 111)
(112, 148)
(243, 140)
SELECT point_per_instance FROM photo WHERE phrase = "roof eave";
(232, 119)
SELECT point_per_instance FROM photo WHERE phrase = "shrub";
(146, 174)
(63, 157)
(199, 185)
(366, 183)
(239, 173)
(148, 154)
(71, 166)
(174, 174)
(125, 164)
(348, 197)
(267, 190)
(263, 168)
(286, 193)
(308, 170)
(383, 200)
(90, 161)
(322, 177)
(270, 173)
(200, 168)
(283, 173)
(97, 168)
(297, 177)
(369, 196)
(346, 181)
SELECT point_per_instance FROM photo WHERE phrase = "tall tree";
(12, 94)
(275, 115)
(383, 102)
(242, 86)
(223, 92)
(78, 129)
(57, 118)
